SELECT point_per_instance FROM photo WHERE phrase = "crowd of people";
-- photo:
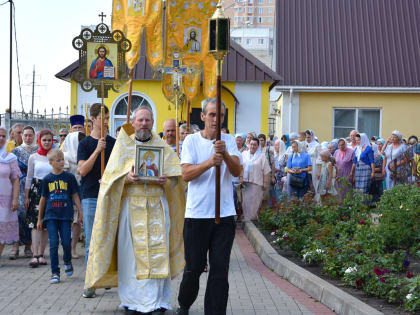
(51, 188)
(298, 165)
(28, 160)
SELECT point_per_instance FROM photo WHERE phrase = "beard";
(143, 135)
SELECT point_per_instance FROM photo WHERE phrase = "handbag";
(297, 182)
(379, 177)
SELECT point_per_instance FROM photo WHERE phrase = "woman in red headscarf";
(38, 168)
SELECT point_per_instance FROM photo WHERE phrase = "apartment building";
(252, 26)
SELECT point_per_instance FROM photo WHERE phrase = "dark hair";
(284, 138)
(90, 120)
(118, 129)
(411, 137)
(28, 128)
(255, 139)
(161, 134)
(308, 132)
(341, 140)
(358, 135)
(261, 135)
(43, 133)
(226, 130)
(95, 109)
(103, 47)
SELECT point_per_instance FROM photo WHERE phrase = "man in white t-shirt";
(202, 236)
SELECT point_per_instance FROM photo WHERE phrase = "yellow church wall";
(265, 106)
(73, 97)
(153, 89)
(398, 111)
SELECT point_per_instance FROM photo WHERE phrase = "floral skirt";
(34, 196)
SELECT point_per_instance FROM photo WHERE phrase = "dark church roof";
(238, 66)
(348, 43)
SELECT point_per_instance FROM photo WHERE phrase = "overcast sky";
(45, 29)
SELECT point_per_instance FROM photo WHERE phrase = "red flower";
(383, 280)
(358, 283)
(377, 271)
(362, 222)
(409, 275)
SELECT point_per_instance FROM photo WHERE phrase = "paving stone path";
(254, 289)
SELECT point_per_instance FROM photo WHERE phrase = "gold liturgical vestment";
(146, 216)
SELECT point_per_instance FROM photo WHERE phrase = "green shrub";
(366, 248)
(399, 217)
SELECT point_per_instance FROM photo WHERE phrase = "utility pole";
(33, 89)
(11, 59)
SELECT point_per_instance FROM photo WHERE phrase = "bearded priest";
(137, 241)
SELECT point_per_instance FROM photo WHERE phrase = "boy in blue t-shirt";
(59, 190)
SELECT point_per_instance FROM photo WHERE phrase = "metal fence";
(38, 121)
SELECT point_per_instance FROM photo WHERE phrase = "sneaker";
(68, 269)
(14, 254)
(181, 311)
(28, 252)
(89, 293)
(55, 278)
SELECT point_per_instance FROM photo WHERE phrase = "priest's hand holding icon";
(162, 180)
(132, 177)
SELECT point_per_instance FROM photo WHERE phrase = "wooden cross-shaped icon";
(102, 16)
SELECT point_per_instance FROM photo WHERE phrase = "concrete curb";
(321, 290)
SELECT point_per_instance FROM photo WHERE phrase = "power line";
(4, 3)
(17, 58)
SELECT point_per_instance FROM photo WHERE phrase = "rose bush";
(368, 248)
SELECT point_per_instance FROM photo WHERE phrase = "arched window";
(136, 101)
(120, 109)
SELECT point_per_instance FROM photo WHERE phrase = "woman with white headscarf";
(363, 169)
(23, 152)
(280, 160)
(70, 145)
(314, 148)
(9, 199)
(240, 142)
(396, 160)
(254, 176)
(298, 166)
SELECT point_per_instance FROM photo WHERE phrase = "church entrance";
(119, 109)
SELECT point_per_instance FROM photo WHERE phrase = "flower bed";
(366, 248)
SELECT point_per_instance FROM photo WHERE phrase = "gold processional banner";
(131, 17)
(187, 34)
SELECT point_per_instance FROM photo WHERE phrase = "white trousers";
(139, 295)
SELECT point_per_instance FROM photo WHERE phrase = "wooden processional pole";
(219, 37)
(176, 123)
(188, 116)
(130, 95)
(102, 128)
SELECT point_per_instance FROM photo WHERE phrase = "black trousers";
(202, 236)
